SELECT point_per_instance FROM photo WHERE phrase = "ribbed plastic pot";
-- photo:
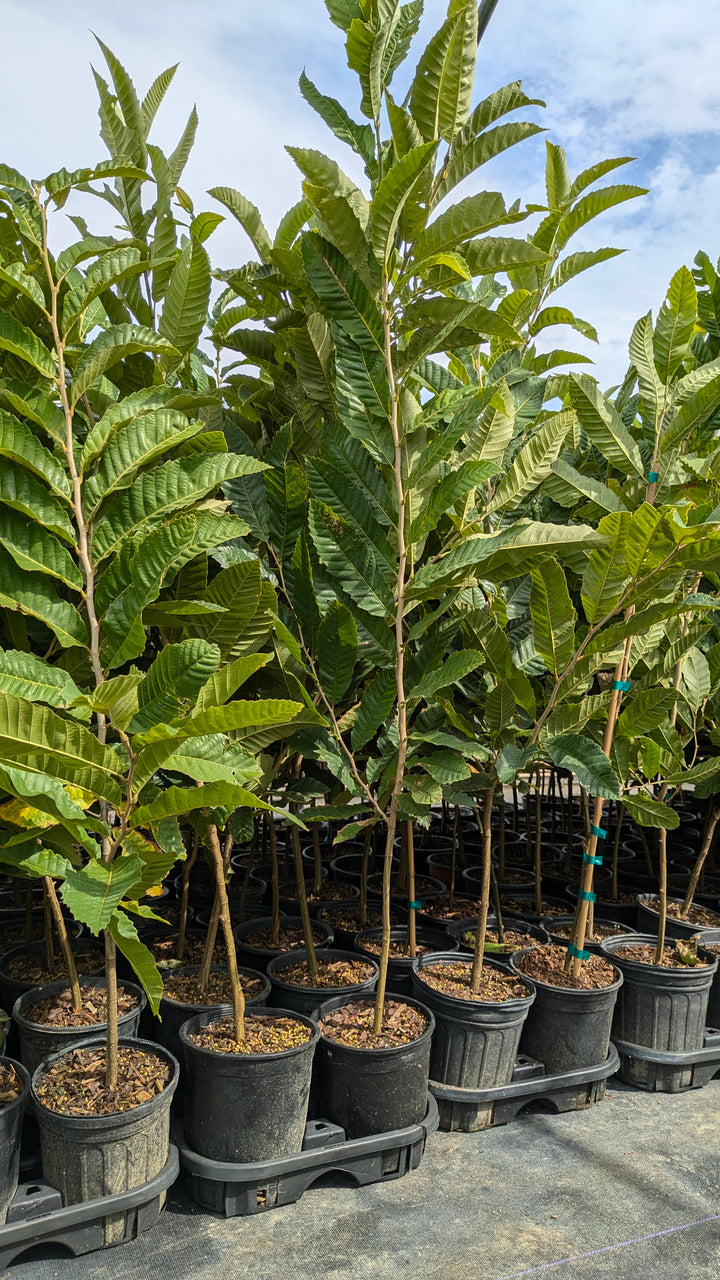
(306, 999)
(647, 919)
(591, 944)
(173, 1013)
(399, 974)
(11, 988)
(370, 1091)
(87, 1157)
(712, 938)
(475, 1042)
(39, 1041)
(659, 1008)
(566, 1028)
(245, 1107)
(11, 1120)
(260, 957)
(457, 930)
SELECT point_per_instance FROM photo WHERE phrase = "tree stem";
(238, 997)
(478, 957)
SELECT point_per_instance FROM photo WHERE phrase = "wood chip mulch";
(601, 929)
(644, 953)
(331, 973)
(58, 1010)
(513, 940)
(399, 947)
(32, 969)
(695, 914)
(165, 949)
(547, 964)
(11, 1085)
(445, 907)
(289, 939)
(185, 988)
(455, 980)
(352, 1025)
(263, 1034)
(75, 1085)
(331, 891)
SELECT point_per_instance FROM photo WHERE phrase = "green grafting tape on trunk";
(599, 832)
(414, 906)
(622, 686)
(575, 951)
(653, 477)
(587, 896)
(593, 859)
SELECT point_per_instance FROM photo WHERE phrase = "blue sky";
(622, 77)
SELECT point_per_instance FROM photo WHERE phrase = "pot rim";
(368, 1052)
(117, 1118)
(292, 957)
(226, 1011)
(640, 939)
(214, 968)
(453, 957)
(570, 991)
(49, 989)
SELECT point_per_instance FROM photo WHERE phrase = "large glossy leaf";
(450, 490)
(22, 342)
(349, 561)
(501, 555)
(238, 589)
(31, 678)
(650, 813)
(34, 594)
(335, 488)
(391, 194)
(117, 415)
(248, 216)
(287, 491)
(362, 397)
(344, 297)
(441, 91)
(587, 761)
(500, 253)
(93, 892)
(35, 549)
(134, 445)
(588, 207)
(693, 413)
(565, 485)
(33, 404)
(575, 263)
(177, 674)
(358, 136)
(162, 490)
(14, 274)
(470, 217)
(19, 445)
(604, 426)
(109, 269)
(223, 684)
(675, 325)
(337, 651)
(378, 699)
(111, 346)
(646, 710)
(187, 298)
(533, 462)
(652, 391)
(32, 736)
(453, 669)
(607, 573)
(553, 616)
(470, 150)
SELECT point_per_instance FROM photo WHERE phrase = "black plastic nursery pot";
(437, 912)
(288, 995)
(458, 928)
(368, 1091)
(259, 957)
(245, 1107)
(399, 975)
(567, 1029)
(11, 988)
(659, 1008)
(348, 895)
(521, 902)
(11, 1120)
(475, 1042)
(39, 1041)
(87, 1157)
(605, 908)
(648, 917)
(173, 1013)
(711, 941)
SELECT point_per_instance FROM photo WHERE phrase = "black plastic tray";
(468, 1110)
(36, 1216)
(238, 1190)
(661, 1072)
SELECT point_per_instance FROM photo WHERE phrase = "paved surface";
(626, 1191)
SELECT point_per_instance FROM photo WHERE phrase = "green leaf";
(470, 217)
(33, 737)
(140, 441)
(357, 136)
(248, 216)
(590, 206)
(500, 253)
(287, 495)
(550, 316)
(110, 268)
(22, 342)
(33, 679)
(557, 178)
(565, 484)
(118, 698)
(447, 493)
(675, 325)
(111, 346)
(391, 194)
(378, 700)
(642, 355)
(553, 616)
(469, 151)
(14, 274)
(452, 670)
(344, 297)
(178, 673)
(607, 573)
(337, 651)
(187, 298)
(696, 680)
(645, 711)
(575, 263)
(349, 561)
(18, 444)
(587, 761)
(501, 555)
(36, 550)
(93, 892)
(341, 489)
(650, 813)
(32, 403)
(441, 92)
(223, 684)
(33, 594)
(532, 464)
(499, 708)
(139, 957)
(604, 426)
(179, 801)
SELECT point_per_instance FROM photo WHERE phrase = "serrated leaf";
(532, 464)
(111, 346)
(391, 194)
(587, 761)
(342, 293)
(186, 300)
(22, 342)
(453, 669)
(650, 813)
(138, 956)
(33, 594)
(31, 678)
(441, 91)
(553, 616)
(223, 684)
(675, 325)
(178, 673)
(34, 738)
(20, 446)
(603, 424)
(248, 216)
(37, 551)
(644, 712)
(337, 651)
(378, 699)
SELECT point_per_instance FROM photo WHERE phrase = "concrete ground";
(625, 1191)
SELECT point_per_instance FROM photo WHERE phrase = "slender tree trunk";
(710, 827)
(662, 915)
(275, 882)
(477, 964)
(501, 839)
(410, 851)
(538, 847)
(66, 949)
(238, 998)
(303, 904)
(112, 1058)
(210, 940)
(496, 900)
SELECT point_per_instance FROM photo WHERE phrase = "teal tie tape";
(587, 896)
(599, 832)
(653, 477)
(414, 906)
(622, 686)
(592, 859)
(575, 951)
